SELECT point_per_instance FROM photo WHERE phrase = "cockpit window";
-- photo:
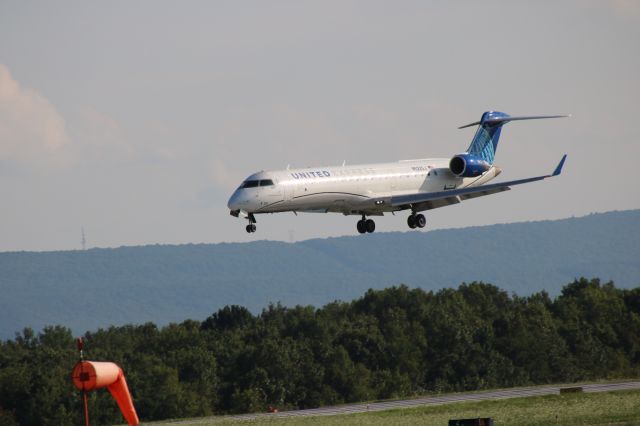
(250, 184)
(255, 183)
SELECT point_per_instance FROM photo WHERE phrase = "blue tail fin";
(485, 141)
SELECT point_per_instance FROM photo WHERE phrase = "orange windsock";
(90, 375)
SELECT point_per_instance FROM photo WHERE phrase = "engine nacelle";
(467, 165)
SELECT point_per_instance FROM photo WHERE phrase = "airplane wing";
(431, 200)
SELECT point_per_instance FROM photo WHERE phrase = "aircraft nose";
(237, 200)
(233, 201)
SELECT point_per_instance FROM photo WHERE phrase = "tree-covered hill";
(99, 287)
(390, 343)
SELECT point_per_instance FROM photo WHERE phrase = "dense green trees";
(389, 343)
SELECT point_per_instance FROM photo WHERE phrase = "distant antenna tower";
(291, 235)
(84, 240)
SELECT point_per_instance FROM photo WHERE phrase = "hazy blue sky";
(136, 120)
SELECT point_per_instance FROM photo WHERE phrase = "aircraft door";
(270, 192)
(288, 191)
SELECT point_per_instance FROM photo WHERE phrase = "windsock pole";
(80, 344)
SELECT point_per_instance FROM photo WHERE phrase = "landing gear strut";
(416, 221)
(366, 225)
(251, 227)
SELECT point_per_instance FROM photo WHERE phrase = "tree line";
(390, 343)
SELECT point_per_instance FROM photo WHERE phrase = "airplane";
(374, 189)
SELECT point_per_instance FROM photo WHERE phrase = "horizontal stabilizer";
(503, 120)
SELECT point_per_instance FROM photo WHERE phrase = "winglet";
(558, 169)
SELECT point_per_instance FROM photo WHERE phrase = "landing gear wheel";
(370, 225)
(411, 221)
(420, 221)
(251, 227)
(361, 226)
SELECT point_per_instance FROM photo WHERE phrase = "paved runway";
(442, 399)
(430, 400)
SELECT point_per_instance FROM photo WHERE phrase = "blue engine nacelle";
(467, 165)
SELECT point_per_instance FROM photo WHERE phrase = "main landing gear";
(251, 227)
(366, 225)
(416, 221)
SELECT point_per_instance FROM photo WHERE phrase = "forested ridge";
(89, 289)
(389, 343)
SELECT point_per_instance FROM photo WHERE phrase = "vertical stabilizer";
(485, 142)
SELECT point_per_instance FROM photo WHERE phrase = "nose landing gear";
(366, 225)
(416, 221)
(251, 227)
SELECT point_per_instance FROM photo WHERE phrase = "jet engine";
(468, 165)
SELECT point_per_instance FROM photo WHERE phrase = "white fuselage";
(373, 189)
(347, 189)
